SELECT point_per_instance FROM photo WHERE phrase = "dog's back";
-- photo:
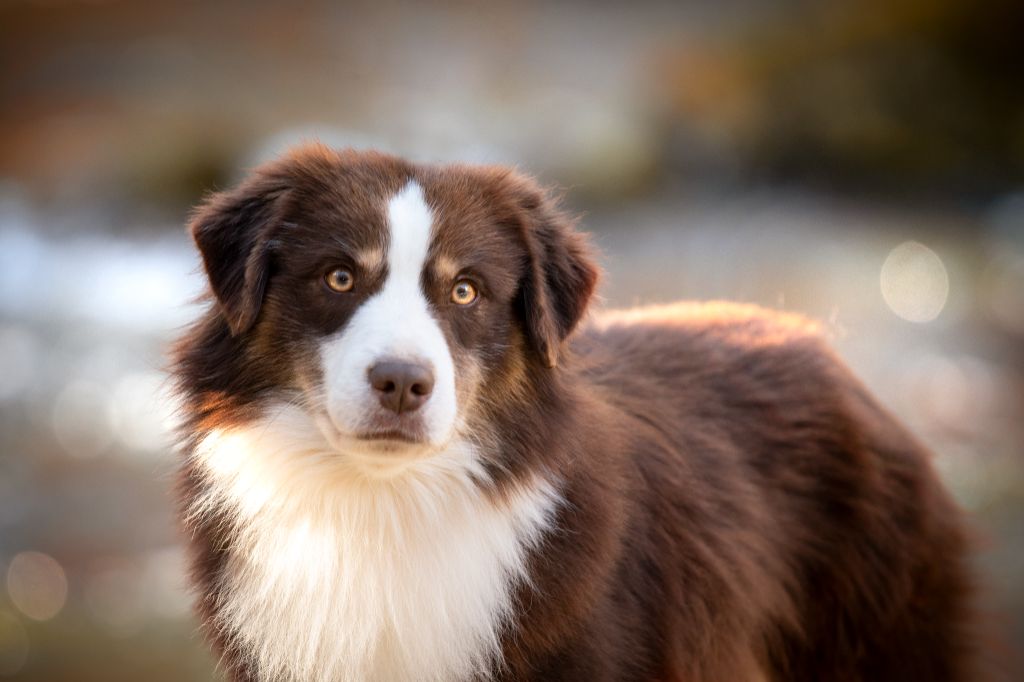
(782, 515)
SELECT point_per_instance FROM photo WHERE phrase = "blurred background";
(860, 161)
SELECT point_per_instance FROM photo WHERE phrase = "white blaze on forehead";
(394, 323)
(409, 222)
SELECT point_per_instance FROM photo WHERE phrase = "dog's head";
(389, 299)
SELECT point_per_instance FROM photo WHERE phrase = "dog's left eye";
(339, 279)
(463, 293)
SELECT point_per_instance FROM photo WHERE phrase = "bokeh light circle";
(37, 585)
(914, 281)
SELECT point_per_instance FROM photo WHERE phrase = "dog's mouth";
(400, 430)
(392, 435)
(381, 450)
(375, 438)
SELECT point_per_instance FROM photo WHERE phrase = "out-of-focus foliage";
(923, 95)
(159, 100)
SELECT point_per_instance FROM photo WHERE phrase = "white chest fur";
(336, 577)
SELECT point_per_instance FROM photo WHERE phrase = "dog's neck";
(336, 576)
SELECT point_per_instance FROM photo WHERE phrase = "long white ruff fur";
(336, 576)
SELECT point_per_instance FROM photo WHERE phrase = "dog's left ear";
(234, 231)
(560, 276)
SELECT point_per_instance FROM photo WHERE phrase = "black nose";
(401, 386)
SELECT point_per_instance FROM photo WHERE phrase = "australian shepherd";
(409, 455)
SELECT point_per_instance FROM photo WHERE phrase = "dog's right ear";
(234, 232)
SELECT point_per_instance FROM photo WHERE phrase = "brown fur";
(737, 505)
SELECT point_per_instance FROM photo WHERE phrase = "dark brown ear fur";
(561, 273)
(234, 232)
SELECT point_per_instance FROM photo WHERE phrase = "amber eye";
(463, 293)
(339, 279)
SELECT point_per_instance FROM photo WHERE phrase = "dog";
(407, 455)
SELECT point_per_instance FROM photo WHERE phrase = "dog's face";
(391, 301)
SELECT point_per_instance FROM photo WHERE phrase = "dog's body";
(415, 472)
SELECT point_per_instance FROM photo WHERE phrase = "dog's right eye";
(339, 279)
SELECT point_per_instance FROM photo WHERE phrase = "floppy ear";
(234, 231)
(560, 275)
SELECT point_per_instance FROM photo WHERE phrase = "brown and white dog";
(401, 463)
